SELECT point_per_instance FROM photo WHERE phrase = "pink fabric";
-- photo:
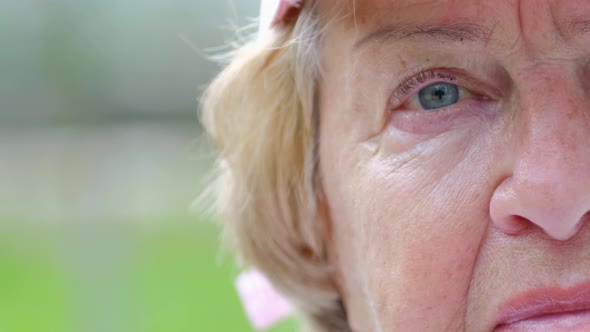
(264, 306)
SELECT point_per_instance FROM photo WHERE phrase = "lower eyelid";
(435, 121)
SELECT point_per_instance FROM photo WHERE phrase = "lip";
(547, 308)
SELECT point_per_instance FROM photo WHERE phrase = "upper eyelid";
(428, 76)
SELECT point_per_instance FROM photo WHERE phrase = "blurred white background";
(98, 103)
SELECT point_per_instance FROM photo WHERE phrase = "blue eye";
(438, 95)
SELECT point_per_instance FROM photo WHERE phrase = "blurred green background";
(101, 159)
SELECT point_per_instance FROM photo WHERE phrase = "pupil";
(440, 93)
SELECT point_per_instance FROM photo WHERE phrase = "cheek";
(412, 235)
(421, 251)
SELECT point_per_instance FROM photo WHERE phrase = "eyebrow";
(458, 32)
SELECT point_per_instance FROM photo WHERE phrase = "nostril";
(515, 224)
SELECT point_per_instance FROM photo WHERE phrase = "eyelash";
(409, 85)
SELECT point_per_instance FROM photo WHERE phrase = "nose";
(548, 183)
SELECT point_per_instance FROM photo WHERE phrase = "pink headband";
(274, 12)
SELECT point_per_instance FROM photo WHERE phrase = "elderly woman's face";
(455, 159)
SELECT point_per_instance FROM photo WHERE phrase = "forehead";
(370, 14)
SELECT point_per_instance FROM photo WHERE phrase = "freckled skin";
(439, 218)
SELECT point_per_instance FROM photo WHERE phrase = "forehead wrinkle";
(368, 8)
(578, 26)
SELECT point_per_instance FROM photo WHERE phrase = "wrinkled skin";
(439, 217)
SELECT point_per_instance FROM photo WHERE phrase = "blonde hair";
(261, 113)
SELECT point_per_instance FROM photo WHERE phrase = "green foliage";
(36, 293)
(173, 281)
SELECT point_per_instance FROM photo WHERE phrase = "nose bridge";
(555, 128)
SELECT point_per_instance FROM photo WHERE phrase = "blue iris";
(438, 95)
